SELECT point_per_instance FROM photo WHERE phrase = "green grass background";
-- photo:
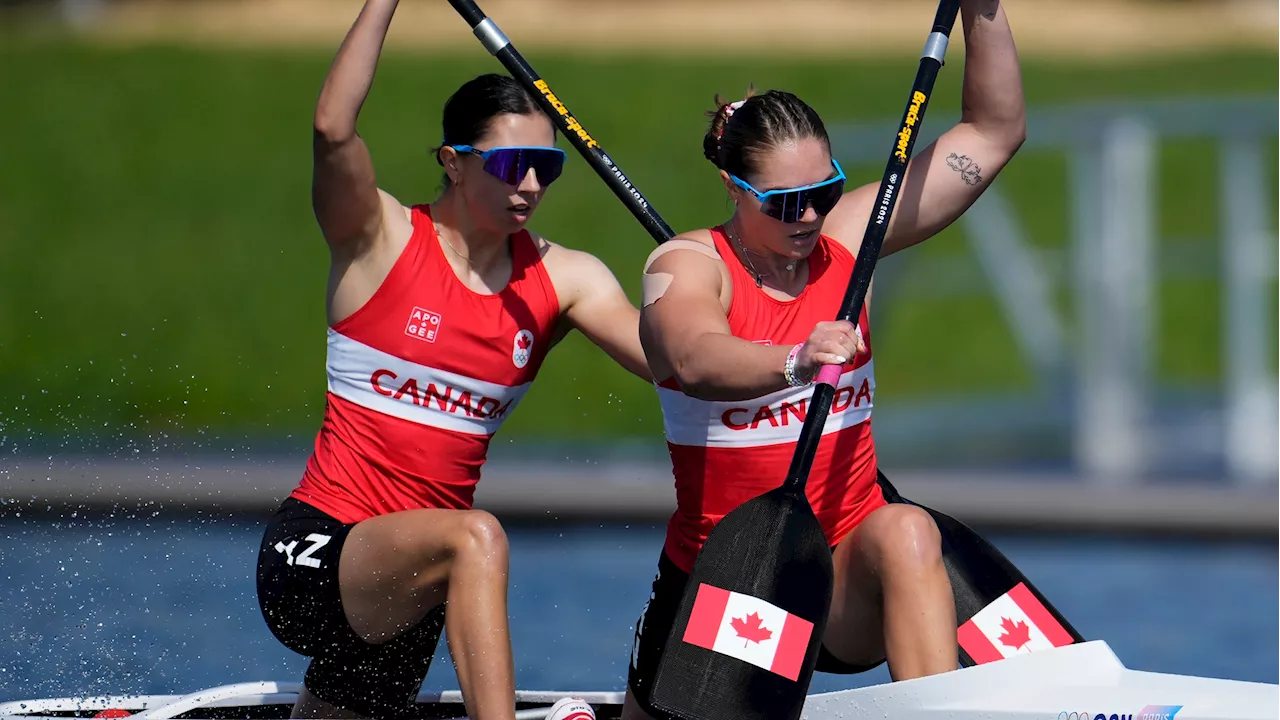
(161, 273)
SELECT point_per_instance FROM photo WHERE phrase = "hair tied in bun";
(729, 110)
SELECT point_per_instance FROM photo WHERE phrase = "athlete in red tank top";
(725, 452)
(439, 318)
(736, 324)
(426, 368)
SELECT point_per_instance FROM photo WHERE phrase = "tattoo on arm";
(989, 9)
(969, 171)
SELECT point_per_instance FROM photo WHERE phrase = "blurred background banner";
(1089, 352)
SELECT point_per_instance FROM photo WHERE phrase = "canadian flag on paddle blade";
(749, 629)
(1013, 624)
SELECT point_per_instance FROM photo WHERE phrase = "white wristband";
(789, 370)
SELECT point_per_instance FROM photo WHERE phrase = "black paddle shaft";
(497, 43)
(877, 224)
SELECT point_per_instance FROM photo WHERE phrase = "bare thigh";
(897, 548)
(854, 623)
(396, 567)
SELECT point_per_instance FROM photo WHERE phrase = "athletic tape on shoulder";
(654, 285)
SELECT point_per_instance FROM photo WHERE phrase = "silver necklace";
(791, 266)
(448, 244)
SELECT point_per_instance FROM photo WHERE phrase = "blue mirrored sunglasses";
(512, 164)
(789, 205)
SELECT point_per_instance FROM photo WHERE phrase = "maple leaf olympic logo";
(522, 348)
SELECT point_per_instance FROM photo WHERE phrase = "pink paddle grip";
(830, 374)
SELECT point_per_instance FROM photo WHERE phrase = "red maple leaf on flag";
(750, 629)
(524, 341)
(1016, 634)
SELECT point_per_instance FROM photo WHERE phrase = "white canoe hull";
(1085, 679)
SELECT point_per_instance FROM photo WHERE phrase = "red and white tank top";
(725, 453)
(421, 377)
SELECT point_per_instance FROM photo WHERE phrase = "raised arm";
(344, 190)
(945, 178)
(687, 336)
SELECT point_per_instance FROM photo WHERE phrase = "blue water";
(167, 605)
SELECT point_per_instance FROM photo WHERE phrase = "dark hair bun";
(740, 138)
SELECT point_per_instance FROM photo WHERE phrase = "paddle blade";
(746, 638)
(999, 611)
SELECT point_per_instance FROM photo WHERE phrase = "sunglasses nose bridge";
(530, 182)
(809, 213)
(794, 206)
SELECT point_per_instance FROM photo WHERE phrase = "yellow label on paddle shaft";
(913, 116)
(570, 124)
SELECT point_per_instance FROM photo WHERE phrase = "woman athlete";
(439, 317)
(736, 323)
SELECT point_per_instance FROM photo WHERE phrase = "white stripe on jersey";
(767, 420)
(418, 393)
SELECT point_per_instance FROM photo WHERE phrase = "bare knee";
(480, 536)
(905, 540)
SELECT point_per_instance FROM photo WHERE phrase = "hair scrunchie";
(729, 110)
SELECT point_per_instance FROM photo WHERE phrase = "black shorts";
(299, 598)
(655, 624)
